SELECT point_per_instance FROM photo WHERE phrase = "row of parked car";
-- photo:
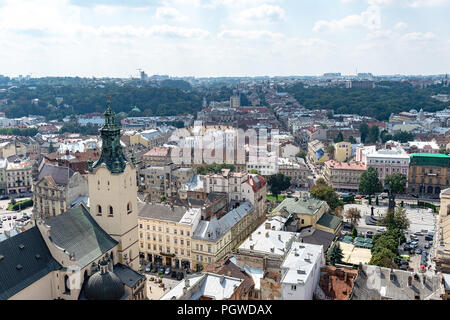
(156, 268)
(5, 218)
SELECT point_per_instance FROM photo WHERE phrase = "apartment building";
(240, 186)
(19, 176)
(342, 151)
(56, 189)
(159, 181)
(343, 176)
(214, 238)
(296, 170)
(316, 152)
(429, 173)
(385, 161)
(165, 233)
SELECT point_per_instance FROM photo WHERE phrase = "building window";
(99, 209)
(293, 287)
(111, 210)
(129, 207)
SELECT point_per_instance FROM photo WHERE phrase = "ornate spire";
(112, 155)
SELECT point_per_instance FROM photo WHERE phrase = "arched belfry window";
(99, 209)
(129, 208)
(111, 211)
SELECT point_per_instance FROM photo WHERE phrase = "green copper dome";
(112, 155)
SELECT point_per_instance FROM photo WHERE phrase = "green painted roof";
(76, 231)
(430, 159)
(24, 259)
(112, 154)
(329, 221)
(299, 206)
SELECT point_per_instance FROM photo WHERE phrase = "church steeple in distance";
(112, 155)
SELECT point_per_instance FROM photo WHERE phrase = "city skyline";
(226, 38)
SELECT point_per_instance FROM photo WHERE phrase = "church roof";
(77, 232)
(24, 259)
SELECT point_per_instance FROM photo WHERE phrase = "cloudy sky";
(223, 37)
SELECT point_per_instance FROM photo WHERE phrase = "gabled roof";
(24, 259)
(60, 175)
(329, 221)
(77, 232)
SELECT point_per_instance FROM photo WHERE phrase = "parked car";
(384, 195)
(418, 251)
(408, 241)
(167, 272)
(381, 229)
(148, 268)
(369, 234)
(161, 270)
(405, 257)
(14, 217)
(9, 217)
(4, 219)
(180, 275)
(430, 243)
(406, 247)
(4, 197)
(418, 233)
(414, 244)
(173, 274)
(428, 238)
(427, 246)
(425, 253)
(413, 237)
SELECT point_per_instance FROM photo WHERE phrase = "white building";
(301, 271)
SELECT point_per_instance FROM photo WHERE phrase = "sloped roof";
(329, 221)
(77, 232)
(22, 266)
(128, 276)
(299, 206)
(60, 175)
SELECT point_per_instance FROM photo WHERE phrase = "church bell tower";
(113, 192)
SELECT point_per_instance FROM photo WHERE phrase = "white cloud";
(225, 3)
(419, 36)
(156, 30)
(263, 13)
(400, 25)
(249, 34)
(428, 3)
(170, 14)
(369, 19)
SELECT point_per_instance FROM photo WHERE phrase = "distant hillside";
(169, 99)
(379, 102)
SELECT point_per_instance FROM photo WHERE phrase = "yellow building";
(165, 233)
(307, 211)
(214, 238)
(342, 151)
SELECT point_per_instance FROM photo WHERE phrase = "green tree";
(354, 215)
(335, 254)
(278, 183)
(51, 148)
(373, 135)
(396, 219)
(330, 151)
(396, 184)
(352, 140)
(364, 131)
(383, 258)
(369, 183)
(322, 191)
(403, 136)
(385, 136)
(301, 154)
(339, 137)
(354, 233)
(254, 171)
